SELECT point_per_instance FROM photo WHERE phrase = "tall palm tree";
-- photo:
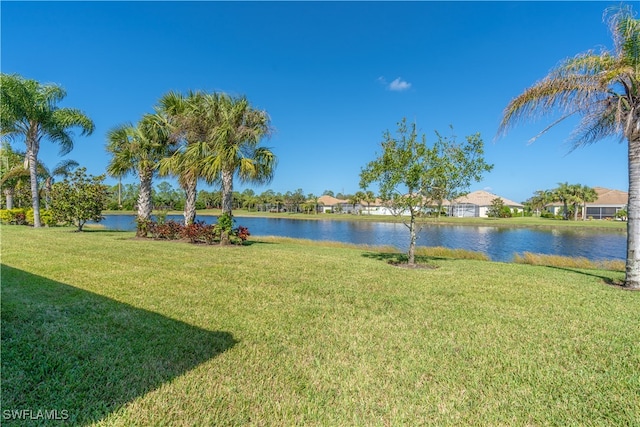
(28, 110)
(604, 89)
(187, 117)
(232, 146)
(139, 149)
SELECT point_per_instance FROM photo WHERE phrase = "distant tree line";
(164, 196)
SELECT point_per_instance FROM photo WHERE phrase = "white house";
(477, 204)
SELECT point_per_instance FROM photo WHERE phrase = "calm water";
(500, 244)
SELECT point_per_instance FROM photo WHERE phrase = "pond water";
(500, 244)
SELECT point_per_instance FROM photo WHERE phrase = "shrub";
(211, 234)
(505, 212)
(143, 226)
(242, 233)
(198, 232)
(15, 216)
(161, 216)
(170, 230)
(225, 222)
(46, 217)
(79, 198)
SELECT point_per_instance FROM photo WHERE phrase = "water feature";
(499, 243)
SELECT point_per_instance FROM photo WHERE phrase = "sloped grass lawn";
(119, 331)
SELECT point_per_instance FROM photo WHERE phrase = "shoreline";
(515, 222)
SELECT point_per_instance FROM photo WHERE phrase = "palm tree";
(139, 149)
(355, 199)
(232, 146)
(583, 195)
(189, 117)
(604, 89)
(564, 195)
(313, 200)
(539, 200)
(28, 109)
(369, 198)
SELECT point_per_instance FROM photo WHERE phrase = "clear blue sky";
(332, 75)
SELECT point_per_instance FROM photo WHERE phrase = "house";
(329, 204)
(477, 204)
(608, 203)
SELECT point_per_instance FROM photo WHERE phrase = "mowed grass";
(119, 331)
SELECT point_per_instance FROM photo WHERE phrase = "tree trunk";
(47, 192)
(8, 194)
(632, 279)
(190, 202)
(144, 196)
(412, 240)
(32, 157)
(227, 192)
(144, 202)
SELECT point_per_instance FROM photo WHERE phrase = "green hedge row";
(24, 216)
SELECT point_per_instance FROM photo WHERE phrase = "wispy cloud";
(399, 85)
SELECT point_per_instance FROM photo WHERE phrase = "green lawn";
(119, 331)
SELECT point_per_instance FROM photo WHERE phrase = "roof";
(606, 197)
(610, 197)
(484, 198)
(330, 200)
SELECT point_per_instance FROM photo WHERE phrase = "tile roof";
(330, 200)
(610, 197)
(606, 197)
(484, 198)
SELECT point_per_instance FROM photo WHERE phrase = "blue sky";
(333, 76)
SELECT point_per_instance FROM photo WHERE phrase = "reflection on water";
(500, 244)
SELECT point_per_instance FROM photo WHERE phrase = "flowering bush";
(198, 232)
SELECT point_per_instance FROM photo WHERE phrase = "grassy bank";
(119, 331)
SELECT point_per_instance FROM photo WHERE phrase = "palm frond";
(65, 167)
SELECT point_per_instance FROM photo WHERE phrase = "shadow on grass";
(84, 355)
(399, 258)
(250, 242)
(607, 280)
